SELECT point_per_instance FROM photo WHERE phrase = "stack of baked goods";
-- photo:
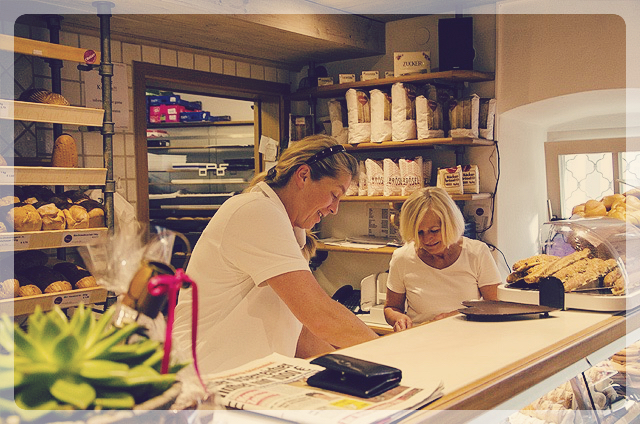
(38, 208)
(578, 270)
(35, 274)
(625, 207)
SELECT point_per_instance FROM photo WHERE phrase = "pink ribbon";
(169, 285)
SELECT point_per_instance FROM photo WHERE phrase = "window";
(580, 170)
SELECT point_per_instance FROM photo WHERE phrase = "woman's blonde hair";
(300, 152)
(441, 204)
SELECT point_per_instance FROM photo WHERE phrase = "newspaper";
(276, 386)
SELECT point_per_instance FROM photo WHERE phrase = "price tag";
(14, 241)
(80, 239)
(66, 300)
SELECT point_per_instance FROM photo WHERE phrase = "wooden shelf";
(48, 50)
(387, 250)
(30, 240)
(335, 90)
(432, 142)
(43, 175)
(456, 197)
(55, 114)
(27, 305)
(197, 124)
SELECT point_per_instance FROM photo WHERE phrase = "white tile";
(168, 57)
(228, 67)
(201, 63)
(151, 54)
(131, 52)
(185, 60)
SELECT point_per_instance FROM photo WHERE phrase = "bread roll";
(76, 216)
(24, 217)
(594, 208)
(65, 152)
(52, 217)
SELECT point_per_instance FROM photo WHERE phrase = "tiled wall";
(90, 148)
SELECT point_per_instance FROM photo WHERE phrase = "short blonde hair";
(299, 153)
(441, 204)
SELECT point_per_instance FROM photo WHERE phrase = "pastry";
(52, 217)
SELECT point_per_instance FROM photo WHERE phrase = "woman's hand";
(402, 323)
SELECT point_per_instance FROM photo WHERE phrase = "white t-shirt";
(430, 291)
(249, 240)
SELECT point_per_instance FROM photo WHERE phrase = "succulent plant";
(79, 363)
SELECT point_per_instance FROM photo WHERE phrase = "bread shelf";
(456, 197)
(334, 90)
(27, 305)
(55, 114)
(48, 50)
(432, 142)
(30, 240)
(43, 175)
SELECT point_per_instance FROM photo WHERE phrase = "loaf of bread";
(24, 217)
(95, 211)
(76, 216)
(79, 277)
(47, 280)
(52, 217)
(40, 95)
(65, 152)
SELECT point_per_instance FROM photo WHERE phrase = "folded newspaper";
(276, 386)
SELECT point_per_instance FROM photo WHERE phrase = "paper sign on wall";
(119, 93)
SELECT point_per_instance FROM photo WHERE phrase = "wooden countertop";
(485, 364)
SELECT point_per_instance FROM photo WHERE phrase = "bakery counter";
(499, 365)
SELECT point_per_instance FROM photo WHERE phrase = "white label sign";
(119, 93)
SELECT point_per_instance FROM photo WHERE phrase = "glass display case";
(597, 261)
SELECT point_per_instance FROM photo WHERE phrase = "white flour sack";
(380, 116)
(411, 175)
(375, 177)
(338, 130)
(392, 178)
(358, 116)
(463, 116)
(428, 118)
(403, 112)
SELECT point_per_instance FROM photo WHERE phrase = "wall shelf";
(42, 175)
(55, 114)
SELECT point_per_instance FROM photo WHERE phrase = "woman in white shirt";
(437, 268)
(257, 294)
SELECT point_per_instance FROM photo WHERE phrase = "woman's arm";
(327, 319)
(394, 311)
(489, 292)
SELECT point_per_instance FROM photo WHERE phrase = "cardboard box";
(346, 78)
(369, 75)
(325, 81)
(405, 63)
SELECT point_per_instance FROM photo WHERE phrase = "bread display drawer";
(587, 263)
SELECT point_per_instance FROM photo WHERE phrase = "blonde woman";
(437, 268)
(257, 294)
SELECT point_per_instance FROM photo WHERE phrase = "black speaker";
(455, 44)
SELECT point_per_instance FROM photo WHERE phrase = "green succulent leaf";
(65, 350)
(114, 400)
(74, 391)
(29, 348)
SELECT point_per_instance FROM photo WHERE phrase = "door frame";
(271, 113)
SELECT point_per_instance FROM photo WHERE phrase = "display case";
(595, 265)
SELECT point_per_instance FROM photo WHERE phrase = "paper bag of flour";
(411, 174)
(450, 179)
(403, 112)
(375, 177)
(380, 116)
(463, 116)
(358, 116)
